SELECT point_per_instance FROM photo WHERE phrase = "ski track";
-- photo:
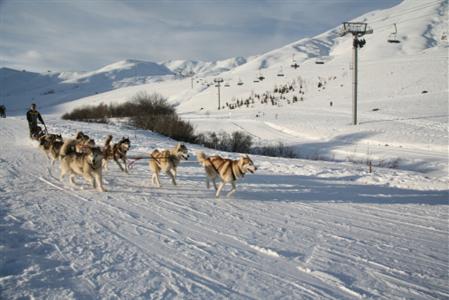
(275, 238)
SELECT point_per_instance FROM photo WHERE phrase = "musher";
(33, 116)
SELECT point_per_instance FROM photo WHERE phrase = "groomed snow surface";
(296, 229)
(317, 227)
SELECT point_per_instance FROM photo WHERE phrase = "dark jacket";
(33, 116)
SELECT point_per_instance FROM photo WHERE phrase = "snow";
(202, 68)
(318, 227)
(294, 229)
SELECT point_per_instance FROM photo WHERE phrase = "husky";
(228, 170)
(116, 151)
(167, 161)
(47, 139)
(78, 144)
(87, 164)
(51, 144)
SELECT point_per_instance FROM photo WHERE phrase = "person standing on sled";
(33, 116)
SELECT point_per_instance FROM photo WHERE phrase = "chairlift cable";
(400, 22)
(406, 11)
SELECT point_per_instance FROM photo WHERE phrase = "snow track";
(294, 230)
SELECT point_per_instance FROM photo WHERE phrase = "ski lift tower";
(191, 74)
(218, 81)
(357, 29)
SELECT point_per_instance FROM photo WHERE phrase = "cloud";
(84, 35)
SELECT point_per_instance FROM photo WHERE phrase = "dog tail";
(108, 141)
(201, 157)
(79, 135)
(67, 147)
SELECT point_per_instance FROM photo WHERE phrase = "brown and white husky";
(227, 169)
(167, 161)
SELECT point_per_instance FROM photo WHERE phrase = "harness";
(135, 159)
(118, 151)
(226, 161)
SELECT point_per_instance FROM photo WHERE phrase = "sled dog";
(87, 164)
(47, 139)
(116, 151)
(78, 144)
(167, 161)
(51, 144)
(228, 170)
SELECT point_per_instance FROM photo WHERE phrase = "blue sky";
(82, 35)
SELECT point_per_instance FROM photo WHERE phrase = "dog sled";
(37, 132)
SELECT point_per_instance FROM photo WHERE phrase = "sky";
(84, 35)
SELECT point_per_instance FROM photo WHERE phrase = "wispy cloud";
(83, 35)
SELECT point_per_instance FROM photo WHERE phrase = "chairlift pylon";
(392, 38)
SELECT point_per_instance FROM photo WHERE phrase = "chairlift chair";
(294, 64)
(240, 82)
(392, 38)
(280, 73)
(260, 77)
(227, 84)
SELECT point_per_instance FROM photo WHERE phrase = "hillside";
(20, 88)
(202, 68)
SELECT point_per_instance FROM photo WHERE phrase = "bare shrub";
(278, 150)
(145, 111)
(238, 141)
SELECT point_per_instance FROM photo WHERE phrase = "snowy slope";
(294, 230)
(20, 88)
(202, 68)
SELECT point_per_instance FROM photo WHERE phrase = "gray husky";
(88, 164)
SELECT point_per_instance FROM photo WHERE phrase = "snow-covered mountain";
(422, 28)
(119, 71)
(20, 88)
(202, 68)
